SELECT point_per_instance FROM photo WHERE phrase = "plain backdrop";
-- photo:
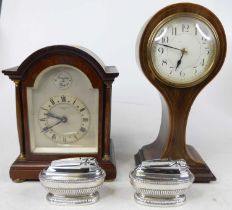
(109, 28)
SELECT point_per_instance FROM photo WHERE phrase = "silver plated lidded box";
(72, 181)
(161, 182)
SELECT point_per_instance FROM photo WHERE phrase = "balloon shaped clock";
(181, 50)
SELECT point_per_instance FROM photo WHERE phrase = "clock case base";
(201, 172)
(24, 170)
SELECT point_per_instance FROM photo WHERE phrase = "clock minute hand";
(169, 46)
(51, 126)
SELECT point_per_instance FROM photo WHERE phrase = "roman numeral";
(63, 98)
(52, 101)
(82, 129)
(74, 101)
(83, 109)
(85, 119)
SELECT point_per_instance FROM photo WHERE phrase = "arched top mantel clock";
(63, 102)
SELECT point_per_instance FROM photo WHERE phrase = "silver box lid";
(80, 169)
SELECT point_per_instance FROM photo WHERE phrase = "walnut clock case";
(63, 105)
(181, 50)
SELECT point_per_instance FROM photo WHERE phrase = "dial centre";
(190, 48)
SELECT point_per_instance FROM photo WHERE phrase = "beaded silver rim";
(76, 200)
(158, 201)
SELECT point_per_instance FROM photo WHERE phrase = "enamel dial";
(64, 119)
(183, 50)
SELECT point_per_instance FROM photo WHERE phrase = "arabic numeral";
(164, 62)
(160, 50)
(204, 40)
(165, 39)
(203, 62)
(174, 30)
(185, 28)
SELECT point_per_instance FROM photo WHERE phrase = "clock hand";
(50, 114)
(170, 46)
(48, 127)
(62, 120)
(183, 51)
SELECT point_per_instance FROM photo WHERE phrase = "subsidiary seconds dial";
(64, 119)
(183, 50)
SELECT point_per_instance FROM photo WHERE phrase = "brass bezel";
(209, 67)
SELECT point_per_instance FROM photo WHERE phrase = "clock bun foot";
(19, 180)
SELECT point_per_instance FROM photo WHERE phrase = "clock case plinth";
(177, 101)
(25, 170)
(28, 165)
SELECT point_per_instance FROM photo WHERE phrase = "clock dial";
(64, 119)
(183, 49)
(63, 112)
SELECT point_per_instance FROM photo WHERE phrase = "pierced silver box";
(161, 182)
(72, 181)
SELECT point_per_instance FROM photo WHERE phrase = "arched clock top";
(62, 77)
(46, 57)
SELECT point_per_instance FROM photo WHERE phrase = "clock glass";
(63, 112)
(183, 49)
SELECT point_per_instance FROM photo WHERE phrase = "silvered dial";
(64, 119)
(183, 49)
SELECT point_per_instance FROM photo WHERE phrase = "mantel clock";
(181, 50)
(63, 104)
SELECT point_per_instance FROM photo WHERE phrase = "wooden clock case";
(177, 101)
(28, 165)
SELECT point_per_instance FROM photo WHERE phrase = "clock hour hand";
(179, 61)
(169, 46)
(183, 51)
(50, 114)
